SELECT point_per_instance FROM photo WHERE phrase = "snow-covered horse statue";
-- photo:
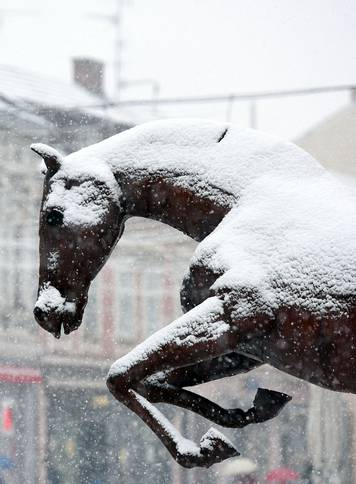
(273, 279)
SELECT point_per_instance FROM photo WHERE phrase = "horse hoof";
(215, 447)
(268, 403)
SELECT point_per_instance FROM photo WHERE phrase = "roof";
(28, 99)
(333, 141)
(18, 84)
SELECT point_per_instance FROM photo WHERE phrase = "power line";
(228, 97)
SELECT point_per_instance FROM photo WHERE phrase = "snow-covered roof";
(19, 84)
(45, 96)
(333, 141)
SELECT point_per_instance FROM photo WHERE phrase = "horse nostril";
(43, 319)
(39, 313)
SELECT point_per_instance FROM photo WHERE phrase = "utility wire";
(225, 97)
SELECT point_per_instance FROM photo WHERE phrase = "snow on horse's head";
(79, 224)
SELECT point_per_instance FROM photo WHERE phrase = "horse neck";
(186, 203)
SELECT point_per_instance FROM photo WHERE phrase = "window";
(91, 324)
(18, 274)
(152, 301)
(124, 293)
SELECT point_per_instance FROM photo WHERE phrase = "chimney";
(89, 73)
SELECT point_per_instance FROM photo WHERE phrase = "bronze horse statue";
(273, 279)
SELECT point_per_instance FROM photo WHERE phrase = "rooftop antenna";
(120, 83)
(115, 19)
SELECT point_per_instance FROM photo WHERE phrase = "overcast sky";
(194, 47)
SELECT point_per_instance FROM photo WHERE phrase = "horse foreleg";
(198, 335)
(205, 371)
(213, 447)
(166, 387)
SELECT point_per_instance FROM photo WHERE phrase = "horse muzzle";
(54, 312)
(53, 323)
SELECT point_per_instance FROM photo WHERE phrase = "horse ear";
(50, 156)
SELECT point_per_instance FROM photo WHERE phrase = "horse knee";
(152, 388)
(117, 384)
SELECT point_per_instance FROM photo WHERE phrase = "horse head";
(80, 221)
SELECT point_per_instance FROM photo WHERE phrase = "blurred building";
(333, 142)
(331, 429)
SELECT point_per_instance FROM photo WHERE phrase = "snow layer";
(183, 445)
(289, 243)
(83, 191)
(290, 237)
(50, 299)
(199, 325)
(210, 441)
(192, 148)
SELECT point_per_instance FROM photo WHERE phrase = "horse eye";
(54, 217)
